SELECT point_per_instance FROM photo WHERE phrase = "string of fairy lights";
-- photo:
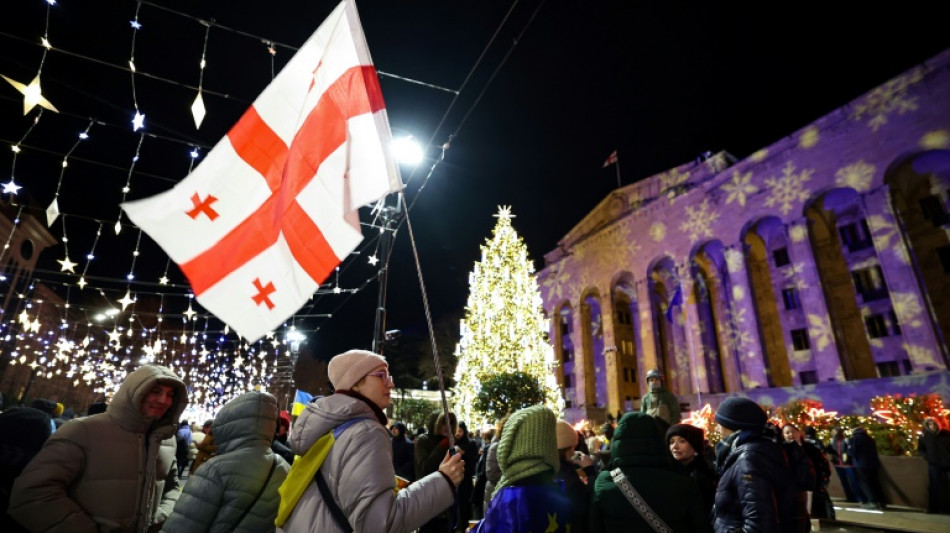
(97, 341)
(119, 323)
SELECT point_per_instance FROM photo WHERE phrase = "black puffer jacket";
(754, 493)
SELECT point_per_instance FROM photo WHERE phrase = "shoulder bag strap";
(338, 516)
(638, 502)
(247, 509)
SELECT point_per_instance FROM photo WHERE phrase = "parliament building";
(817, 267)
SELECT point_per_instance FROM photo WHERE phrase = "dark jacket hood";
(246, 420)
(637, 442)
(124, 409)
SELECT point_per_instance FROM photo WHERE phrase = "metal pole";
(388, 215)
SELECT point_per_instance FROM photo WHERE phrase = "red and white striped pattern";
(272, 209)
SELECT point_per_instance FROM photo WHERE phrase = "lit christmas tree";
(504, 329)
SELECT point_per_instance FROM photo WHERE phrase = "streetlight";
(407, 151)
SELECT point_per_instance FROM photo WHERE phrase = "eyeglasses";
(383, 375)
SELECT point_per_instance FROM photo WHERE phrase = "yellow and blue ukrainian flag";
(300, 401)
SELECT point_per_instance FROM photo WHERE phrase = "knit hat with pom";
(348, 368)
(528, 445)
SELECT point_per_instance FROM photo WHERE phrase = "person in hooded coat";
(358, 469)
(638, 450)
(113, 471)
(220, 496)
(528, 497)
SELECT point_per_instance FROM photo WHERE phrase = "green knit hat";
(528, 445)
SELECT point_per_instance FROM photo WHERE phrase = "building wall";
(818, 261)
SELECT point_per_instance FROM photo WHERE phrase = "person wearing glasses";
(358, 470)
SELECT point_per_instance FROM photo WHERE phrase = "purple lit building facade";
(817, 267)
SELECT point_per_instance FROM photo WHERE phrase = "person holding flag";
(352, 487)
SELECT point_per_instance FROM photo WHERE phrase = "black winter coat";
(935, 447)
(755, 492)
(864, 449)
(578, 493)
(403, 458)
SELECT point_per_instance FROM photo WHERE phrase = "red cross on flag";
(273, 208)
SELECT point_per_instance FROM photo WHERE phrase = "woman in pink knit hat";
(357, 475)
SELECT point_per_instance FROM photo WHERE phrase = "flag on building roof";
(272, 209)
(611, 159)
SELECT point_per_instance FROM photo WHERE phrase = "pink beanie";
(349, 367)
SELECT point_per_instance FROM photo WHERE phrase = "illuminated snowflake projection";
(673, 178)
(658, 231)
(788, 189)
(734, 260)
(819, 328)
(858, 176)
(794, 273)
(798, 232)
(907, 308)
(798, 356)
(554, 282)
(609, 250)
(809, 137)
(887, 237)
(935, 140)
(699, 220)
(739, 188)
(892, 97)
(734, 335)
(922, 356)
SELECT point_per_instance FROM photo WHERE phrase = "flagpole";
(617, 164)
(387, 215)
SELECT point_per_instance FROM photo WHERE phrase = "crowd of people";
(343, 466)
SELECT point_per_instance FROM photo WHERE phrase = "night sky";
(661, 82)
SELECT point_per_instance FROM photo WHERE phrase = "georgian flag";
(273, 208)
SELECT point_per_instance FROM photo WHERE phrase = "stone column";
(611, 353)
(694, 341)
(584, 387)
(824, 351)
(920, 339)
(647, 349)
(742, 321)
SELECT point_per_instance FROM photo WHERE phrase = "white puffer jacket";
(359, 472)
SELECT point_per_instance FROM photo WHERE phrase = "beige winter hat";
(348, 368)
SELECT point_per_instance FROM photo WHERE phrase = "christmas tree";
(504, 329)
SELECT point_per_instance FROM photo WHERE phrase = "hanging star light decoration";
(11, 187)
(82, 283)
(127, 300)
(190, 313)
(32, 94)
(138, 121)
(163, 280)
(373, 260)
(66, 265)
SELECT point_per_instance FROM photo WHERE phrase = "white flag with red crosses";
(272, 209)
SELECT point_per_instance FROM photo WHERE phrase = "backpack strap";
(338, 515)
(638, 503)
(247, 509)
